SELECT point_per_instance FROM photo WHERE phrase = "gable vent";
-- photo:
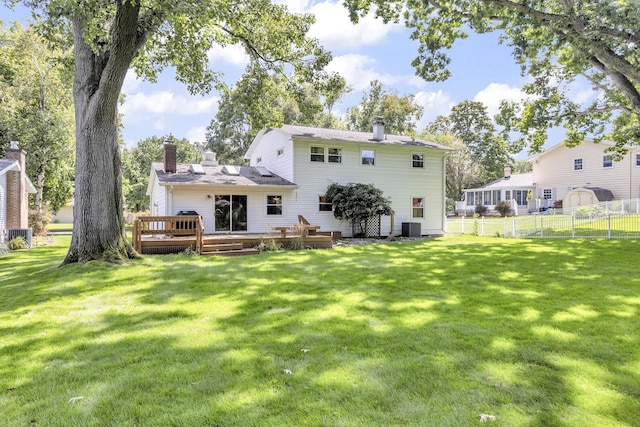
(263, 171)
(230, 170)
(196, 169)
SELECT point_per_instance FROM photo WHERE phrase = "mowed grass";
(432, 332)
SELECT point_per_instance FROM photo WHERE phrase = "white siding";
(158, 200)
(267, 150)
(392, 173)
(3, 206)
(555, 170)
(195, 198)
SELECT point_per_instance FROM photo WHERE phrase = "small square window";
(324, 206)
(418, 207)
(368, 157)
(547, 194)
(607, 161)
(274, 205)
(280, 152)
(335, 155)
(417, 160)
(317, 154)
(577, 164)
(259, 160)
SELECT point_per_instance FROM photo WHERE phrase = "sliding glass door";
(231, 213)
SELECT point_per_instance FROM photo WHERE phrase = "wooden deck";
(165, 235)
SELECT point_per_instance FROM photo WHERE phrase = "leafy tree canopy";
(400, 113)
(37, 110)
(554, 41)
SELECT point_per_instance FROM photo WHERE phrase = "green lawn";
(432, 332)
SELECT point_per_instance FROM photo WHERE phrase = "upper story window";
(577, 164)
(368, 157)
(323, 205)
(326, 154)
(607, 161)
(280, 152)
(317, 154)
(417, 160)
(274, 205)
(637, 159)
(418, 207)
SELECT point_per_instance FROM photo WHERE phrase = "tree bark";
(98, 229)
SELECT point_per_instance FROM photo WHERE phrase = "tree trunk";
(98, 228)
(40, 178)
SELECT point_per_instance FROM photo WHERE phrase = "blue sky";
(482, 70)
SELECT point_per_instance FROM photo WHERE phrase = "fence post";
(541, 228)
(513, 226)
(482, 227)
(462, 224)
(609, 226)
(573, 226)
(506, 227)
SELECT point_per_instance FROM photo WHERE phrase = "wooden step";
(233, 252)
(221, 247)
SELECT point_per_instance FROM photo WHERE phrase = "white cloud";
(197, 134)
(131, 82)
(335, 30)
(233, 54)
(358, 70)
(159, 125)
(435, 104)
(496, 92)
(165, 102)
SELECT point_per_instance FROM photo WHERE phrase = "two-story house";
(577, 176)
(290, 170)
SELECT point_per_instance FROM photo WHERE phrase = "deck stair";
(228, 249)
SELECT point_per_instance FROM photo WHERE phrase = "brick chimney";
(378, 129)
(170, 163)
(17, 196)
(507, 171)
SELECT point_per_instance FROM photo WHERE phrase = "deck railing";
(168, 226)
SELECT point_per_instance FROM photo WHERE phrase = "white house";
(290, 170)
(15, 188)
(582, 175)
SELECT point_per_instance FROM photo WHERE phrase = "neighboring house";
(15, 188)
(290, 170)
(64, 215)
(577, 176)
(515, 188)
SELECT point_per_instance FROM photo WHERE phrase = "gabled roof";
(345, 135)
(519, 180)
(215, 175)
(14, 165)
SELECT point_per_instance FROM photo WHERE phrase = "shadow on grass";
(433, 332)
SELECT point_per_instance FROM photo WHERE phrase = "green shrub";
(38, 222)
(18, 243)
(504, 208)
(270, 246)
(481, 210)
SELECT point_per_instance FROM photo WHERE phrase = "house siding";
(3, 206)
(392, 173)
(555, 170)
(257, 219)
(158, 200)
(267, 150)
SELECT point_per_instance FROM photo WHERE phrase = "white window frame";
(419, 208)
(547, 192)
(324, 203)
(276, 204)
(576, 164)
(315, 157)
(605, 161)
(420, 161)
(362, 157)
(329, 155)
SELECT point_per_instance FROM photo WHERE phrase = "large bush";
(357, 203)
(39, 222)
(481, 210)
(504, 208)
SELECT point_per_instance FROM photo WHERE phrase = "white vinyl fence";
(618, 219)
